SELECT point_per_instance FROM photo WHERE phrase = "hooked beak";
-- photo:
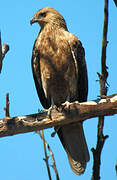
(33, 20)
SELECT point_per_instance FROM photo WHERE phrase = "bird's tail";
(74, 143)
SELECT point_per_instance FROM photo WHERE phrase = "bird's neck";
(53, 27)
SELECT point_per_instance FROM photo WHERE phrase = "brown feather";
(59, 71)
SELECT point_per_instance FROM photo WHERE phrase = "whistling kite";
(60, 75)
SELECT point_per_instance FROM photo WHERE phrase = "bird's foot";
(65, 106)
(76, 102)
(50, 111)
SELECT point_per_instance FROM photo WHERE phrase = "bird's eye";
(43, 14)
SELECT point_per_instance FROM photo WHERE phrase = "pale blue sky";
(22, 155)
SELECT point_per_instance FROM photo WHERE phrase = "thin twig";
(6, 109)
(51, 153)
(103, 92)
(45, 152)
(115, 1)
(0, 49)
(3, 50)
(116, 168)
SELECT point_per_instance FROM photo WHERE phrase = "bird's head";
(48, 16)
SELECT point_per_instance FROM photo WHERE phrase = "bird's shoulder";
(72, 39)
(75, 45)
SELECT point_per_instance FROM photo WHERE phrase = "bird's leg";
(49, 114)
(66, 104)
(50, 109)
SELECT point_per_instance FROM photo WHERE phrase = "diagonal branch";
(103, 92)
(45, 152)
(51, 153)
(74, 113)
(115, 1)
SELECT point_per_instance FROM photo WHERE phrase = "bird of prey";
(60, 75)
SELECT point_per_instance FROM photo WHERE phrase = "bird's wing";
(37, 77)
(72, 135)
(78, 54)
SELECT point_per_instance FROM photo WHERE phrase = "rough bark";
(74, 113)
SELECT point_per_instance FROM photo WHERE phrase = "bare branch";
(76, 112)
(115, 1)
(45, 152)
(0, 47)
(103, 92)
(6, 109)
(3, 50)
(116, 168)
(104, 73)
(51, 153)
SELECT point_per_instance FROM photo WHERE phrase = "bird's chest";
(54, 50)
(56, 63)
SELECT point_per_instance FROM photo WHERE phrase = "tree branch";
(115, 1)
(74, 113)
(104, 73)
(103, 92)
(3, 50)
(45, 152)
(51, 153)
(6, 109)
